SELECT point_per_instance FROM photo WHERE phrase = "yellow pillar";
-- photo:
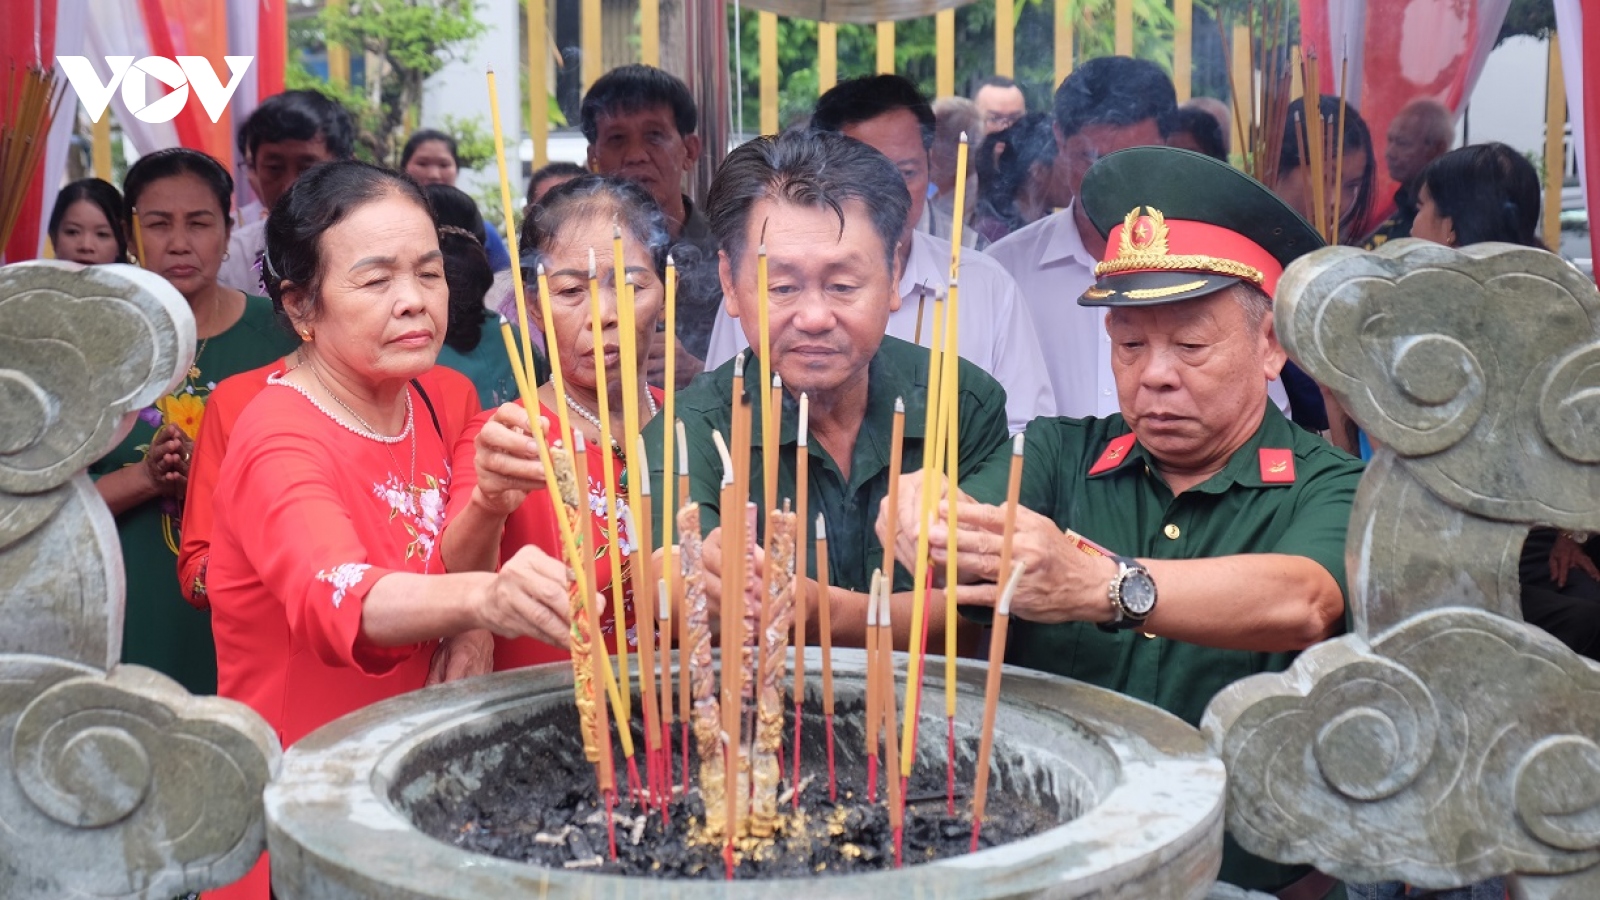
(338, 56)
(650, 32)
(102, 147)
(1064, 17)
(1242, 80)
(1183, 48)
(1005, 22)
(589, 43)
(885, 48)
(768, 40)
(1124, 28)
(1555, 156)
(944, 45)
(538, 82)
(827, 56)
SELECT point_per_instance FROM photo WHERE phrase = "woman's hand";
(528, 598)
(461, 656)
(507, 461)
(167, 462)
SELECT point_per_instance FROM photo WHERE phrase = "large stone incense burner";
(1442, 741)
(1137, 797)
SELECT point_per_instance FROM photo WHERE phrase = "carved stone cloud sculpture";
(82, 350)
(116, 785)
(1443, 741)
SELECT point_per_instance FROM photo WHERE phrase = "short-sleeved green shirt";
(1285, 491)
(850, 507)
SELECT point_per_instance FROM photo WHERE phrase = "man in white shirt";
(1107, 104)
(286, 135)
(888, 113)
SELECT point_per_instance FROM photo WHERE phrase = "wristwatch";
(1133, 595)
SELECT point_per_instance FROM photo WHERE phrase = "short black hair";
(104, 197)
(558, 169)
(298, 116)
(422, 137)
(454, 207)
(1114, 90)
(999, 81)
(1356, 137)
(1005, 165)
(1490, 192)
(861, 99)
(468, 277)
(170, 163)
(817, 169)
(1200, 125)
(632, 88)
(318, 200)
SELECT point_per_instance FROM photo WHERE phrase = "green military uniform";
(1090, 476)
(849, 506)
(1179, 226)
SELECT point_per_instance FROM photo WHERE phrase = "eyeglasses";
(998, 120)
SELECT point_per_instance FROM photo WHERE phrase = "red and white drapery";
(1399, 50)
(1580, 64)
(38, 31)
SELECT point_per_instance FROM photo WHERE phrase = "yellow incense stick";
(138, 239)
(668, 432)
(552, 352)
(802, 489)
(950, 388)
(931, 470)
(638, 468)
(960, 206)
(613, 521)
(511, 234)
(769, 414)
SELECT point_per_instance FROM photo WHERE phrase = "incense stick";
(609, 482)
(825, 627)
(511, 231)
(802, 489)
(886, 702)
(684, 708)
(991, 698)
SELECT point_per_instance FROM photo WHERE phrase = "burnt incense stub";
(1095, 795)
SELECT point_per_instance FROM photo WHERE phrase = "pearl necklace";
(594, 419)
(369, 433)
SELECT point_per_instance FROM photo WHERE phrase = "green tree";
(404, 42)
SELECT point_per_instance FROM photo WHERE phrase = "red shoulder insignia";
(1115, 454)
(1277, 466)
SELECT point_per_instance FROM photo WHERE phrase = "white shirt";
(245, 245)
(997, 334)
(1053, 269)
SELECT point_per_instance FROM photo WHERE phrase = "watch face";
(1138, 593)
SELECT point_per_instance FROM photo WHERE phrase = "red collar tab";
(1116, 453)
(1277, 466)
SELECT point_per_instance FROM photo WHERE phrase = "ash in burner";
(525, 792)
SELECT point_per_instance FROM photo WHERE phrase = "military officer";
(1198, 536)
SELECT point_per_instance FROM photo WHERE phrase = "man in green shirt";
(1222, 524)
(830, 211)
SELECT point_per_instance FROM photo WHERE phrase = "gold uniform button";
(1171, 531)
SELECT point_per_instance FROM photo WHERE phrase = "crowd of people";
(342, 501)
